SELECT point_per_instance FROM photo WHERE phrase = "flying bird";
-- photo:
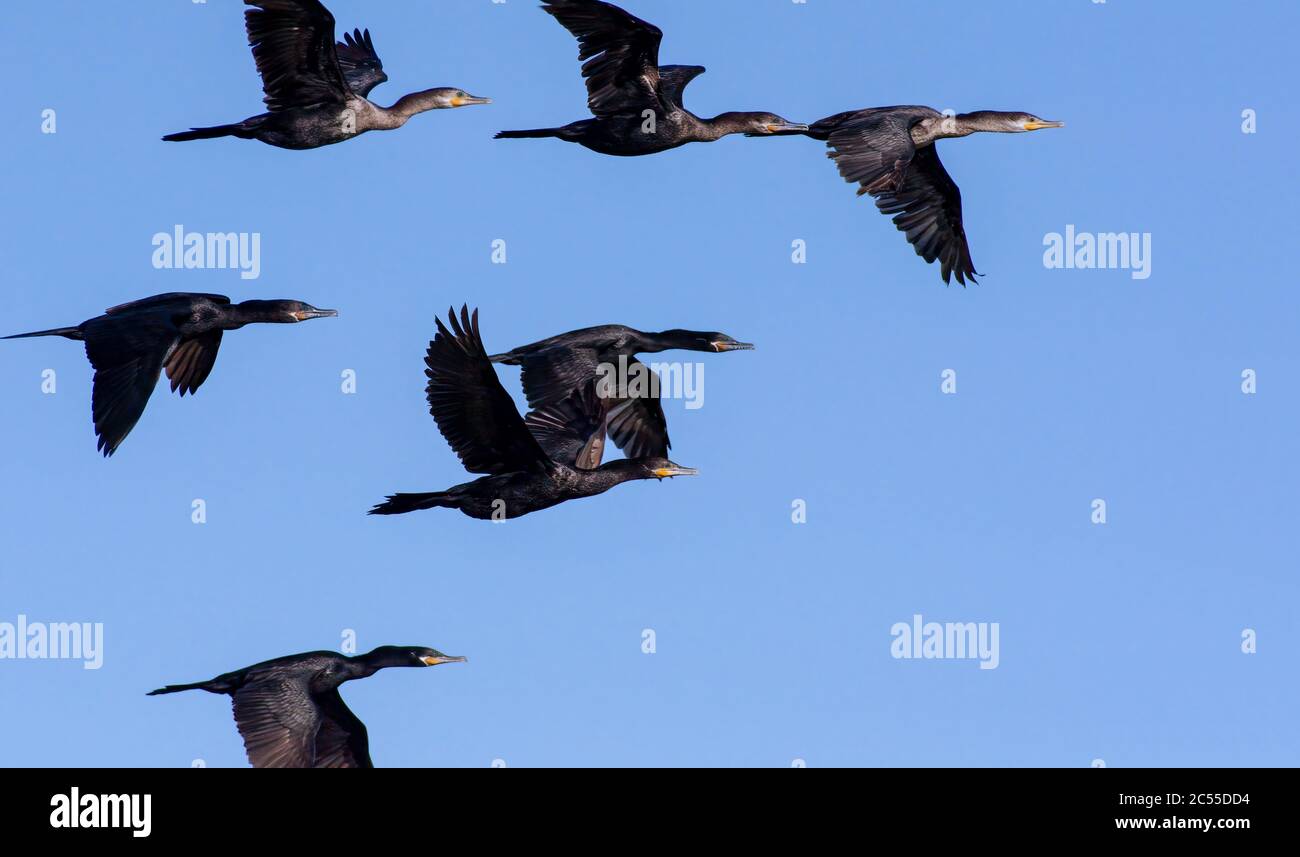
(890, 153)
(289, 710)
(132, 344)
(525, 472)
(316, 89)
(637, 103)
(556, 368)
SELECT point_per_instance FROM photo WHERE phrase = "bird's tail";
(400, 504)
(526, 135)
(177, 688)
(67, 332)
(239, 129)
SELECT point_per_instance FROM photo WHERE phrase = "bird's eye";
(460, 95)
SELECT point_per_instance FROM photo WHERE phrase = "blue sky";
(1119, 642)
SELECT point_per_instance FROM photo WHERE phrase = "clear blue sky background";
(1119, 642)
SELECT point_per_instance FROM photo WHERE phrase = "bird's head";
(769, 125)
(704, 340)
(410, 656)
(446, 97)
(1009, 122)
(285, 312)
(720, 342)
(662, 468)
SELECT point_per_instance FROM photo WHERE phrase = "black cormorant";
(289, 710)
(890, 153)
(525, 473)
(316, 89)
(554, 368)
(130, 346)
(637, 102)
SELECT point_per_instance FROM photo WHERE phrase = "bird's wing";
(342, 741)
(573, 430)
(868, 149)
(192, 361)
(156, 301)
(128, 353)
(278, 720)
(360, 64)
(637, 424)
(873, 150)
(673, 80)
(927, 209)
(621, 54)
(552, 374)
(473, 411)
(293, 44)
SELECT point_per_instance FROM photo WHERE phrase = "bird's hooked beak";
(675, 470)
(468, 100)
(786, 128)
(721, 346)
(1042, 123)
(305, 314)
(432, 661)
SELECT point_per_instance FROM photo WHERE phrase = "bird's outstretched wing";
(620, 53)
(927, 209)
(128, 353)
(293, 44)
(869, 147)
(473, 411)
(874, 149)
(279, 721)
(673, 80)
(191, 362)
(359, 62)
(572, 431)
(551, 375)
(342, 741)
(636, 423)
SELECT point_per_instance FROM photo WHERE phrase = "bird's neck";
(667, 340)
(355, 668)
(721, 126)
(388, 118)
(613, 473)
(238, 315)
(960, 125)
